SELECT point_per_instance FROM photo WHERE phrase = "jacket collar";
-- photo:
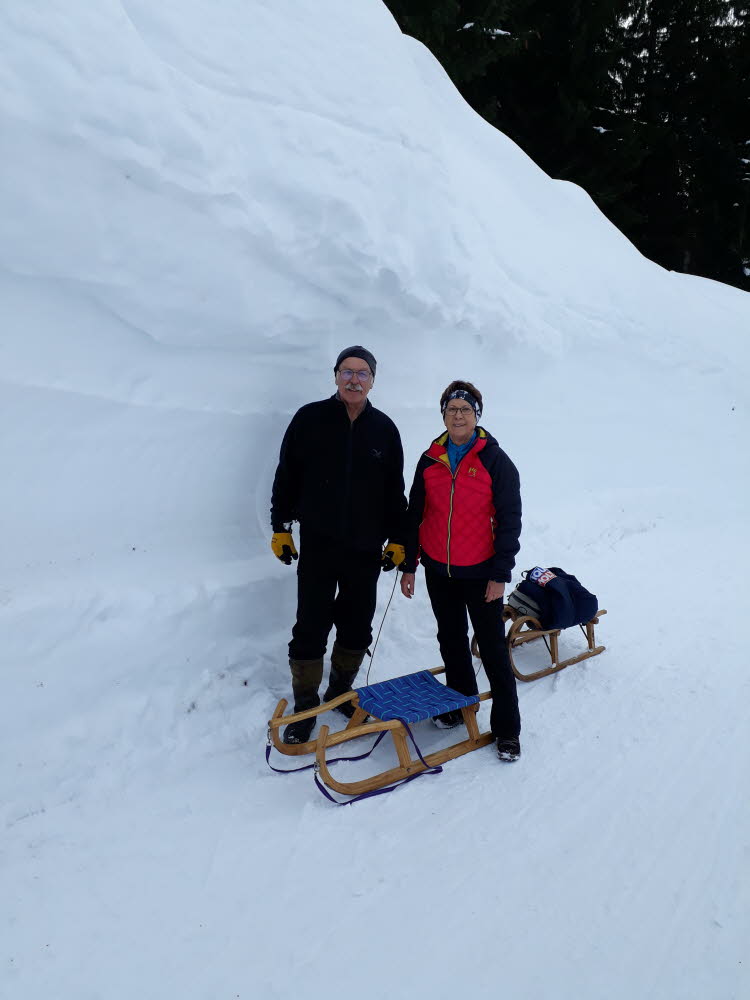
(340, 402)
(439, 447)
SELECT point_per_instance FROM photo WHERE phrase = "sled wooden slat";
(531, 636)
(394, 775)
(402, 749)
(524, 629)
(350, 732)
(470, 721)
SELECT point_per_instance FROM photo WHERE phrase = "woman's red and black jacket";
(468, 523)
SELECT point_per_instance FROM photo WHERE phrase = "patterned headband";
(464, 394)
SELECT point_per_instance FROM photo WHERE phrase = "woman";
(464, 523)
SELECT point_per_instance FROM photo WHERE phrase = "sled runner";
(525, 628)
(393, 706)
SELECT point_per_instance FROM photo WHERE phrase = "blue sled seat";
(411, 698)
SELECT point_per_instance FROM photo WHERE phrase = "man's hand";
(393, 556)
(282, 546)
(494, 591)
(407, 584)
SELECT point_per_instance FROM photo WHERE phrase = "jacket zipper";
(450, 518)
(450, 511)
(348, 478)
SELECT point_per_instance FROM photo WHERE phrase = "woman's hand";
(493, 592)
(407, 584)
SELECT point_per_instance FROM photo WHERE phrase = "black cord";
(377, 637)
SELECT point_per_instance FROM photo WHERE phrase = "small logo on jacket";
(377, 454)
(473, 471)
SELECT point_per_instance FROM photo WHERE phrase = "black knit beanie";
(356, 352)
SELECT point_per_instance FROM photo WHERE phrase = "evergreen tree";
(687, 98)
(727, 216)
(554, 96)
(645, 103)
(466, 37)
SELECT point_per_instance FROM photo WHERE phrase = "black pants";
(451, 598)
(323, 568)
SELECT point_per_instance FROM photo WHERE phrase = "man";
(341, 475)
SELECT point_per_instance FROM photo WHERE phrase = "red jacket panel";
(458, 525)
(465, 524)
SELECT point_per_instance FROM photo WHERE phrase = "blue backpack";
(555, 598)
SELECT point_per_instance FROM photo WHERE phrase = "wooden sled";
(408, 766)
(524, 629)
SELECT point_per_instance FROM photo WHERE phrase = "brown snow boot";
(345, 664)
(306, 678)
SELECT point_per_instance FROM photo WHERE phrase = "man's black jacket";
(341, 480)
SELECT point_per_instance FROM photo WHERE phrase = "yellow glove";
(393, 555)
(282, 545)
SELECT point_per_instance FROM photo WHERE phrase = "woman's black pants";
(451, 599)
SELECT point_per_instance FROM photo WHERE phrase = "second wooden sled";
(393, 706)
(524, 629)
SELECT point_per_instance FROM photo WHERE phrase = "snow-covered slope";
(201, 204)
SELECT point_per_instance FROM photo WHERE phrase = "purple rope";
(375, 791)
(378, 791)
(307, 767)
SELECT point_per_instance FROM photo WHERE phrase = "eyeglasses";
(363, 374)
(455, 411)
